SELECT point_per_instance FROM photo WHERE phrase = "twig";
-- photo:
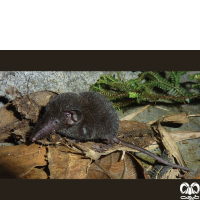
(162, 108)
(197, 115)
(129, 117)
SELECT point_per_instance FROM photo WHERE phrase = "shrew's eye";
(56, 121)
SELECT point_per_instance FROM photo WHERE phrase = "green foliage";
(175, 77)
(123, 93)
(197, 77)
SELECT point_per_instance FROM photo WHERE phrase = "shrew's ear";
(73, 116)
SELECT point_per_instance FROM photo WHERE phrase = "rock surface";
(56, 81)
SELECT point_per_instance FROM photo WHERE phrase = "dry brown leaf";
(170, 145)
(97, 172)
(17, 161)
(93, 154)
(77, 166)
(184, 135)
(18, 130)
(6, 116)
(173, 174)
(22, 131)
(111, 166)
(151, 122)
(167, 139)
(137, 133)
(67, 148)
(177, 137)
(65, 165)
(42, 97)
(35, 173)
(27, 107)
(176, 118)
(134, 128)
(87, 150)
(181, 118)
(144, 171)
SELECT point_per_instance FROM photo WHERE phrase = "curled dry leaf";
(30, 106)
(42, 97)
(170, 145)
(18, 130)
(112, 167)
(27, 107)
(177, 118)
(137, 133)
(144, 171)
(65, 165)
(7, 116)
(167, 140)
(92, 154)
(134, 128)
(177, 137)
(35, 173)
(68, 149)
(87, 149)
(173, 174)
(17, 161)
(10, 122)
(98, 172)
(184, 135)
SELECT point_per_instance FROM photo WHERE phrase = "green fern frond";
(175, 77)
(124, 93)
(122, 104)
(111, 95)
(166, 85)
(196, 77)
